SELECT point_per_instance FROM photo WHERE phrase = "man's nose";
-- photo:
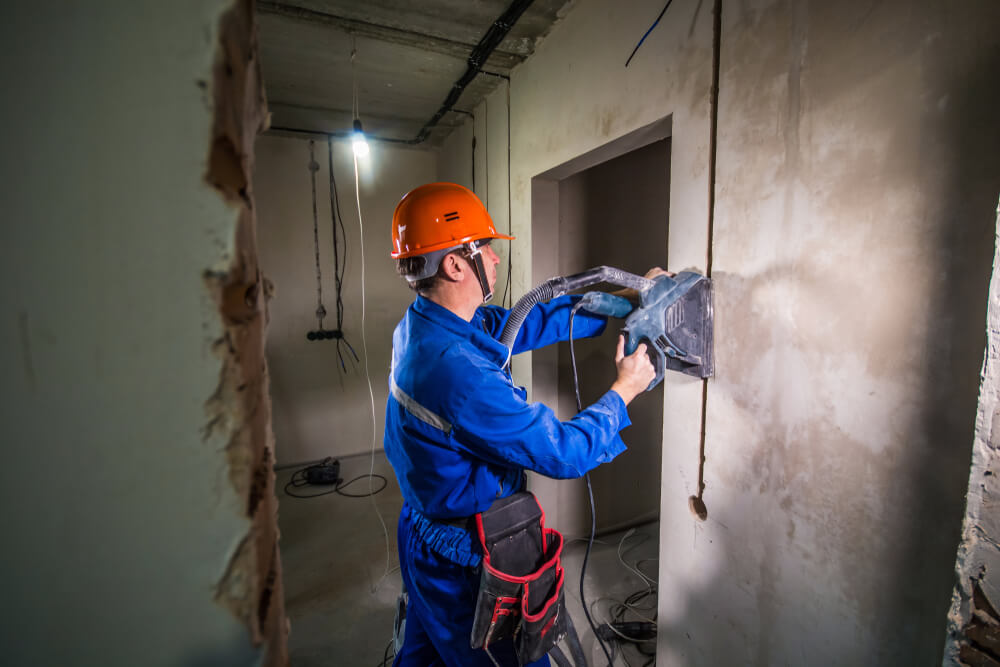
(492, 255)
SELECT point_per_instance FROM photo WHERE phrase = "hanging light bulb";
(358, 141)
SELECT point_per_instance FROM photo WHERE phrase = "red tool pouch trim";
(521, 585)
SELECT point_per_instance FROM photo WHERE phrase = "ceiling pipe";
(490, 41)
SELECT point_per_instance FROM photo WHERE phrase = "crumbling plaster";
(974, 623)
(854, 193)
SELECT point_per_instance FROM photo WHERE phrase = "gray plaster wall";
(321, 410)
(116, 508)
(854, 205)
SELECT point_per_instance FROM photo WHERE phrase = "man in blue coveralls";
(458, 433)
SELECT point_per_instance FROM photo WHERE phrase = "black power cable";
(385, 654)
(618, 615)
(300, 479)
(590, 494)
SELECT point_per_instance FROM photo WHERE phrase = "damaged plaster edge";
(978, 554)
(238, 411)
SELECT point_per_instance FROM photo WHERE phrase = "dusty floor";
(341, 602)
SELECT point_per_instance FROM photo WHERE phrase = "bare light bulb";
(358, 141)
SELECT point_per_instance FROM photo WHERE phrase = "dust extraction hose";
(558, 286)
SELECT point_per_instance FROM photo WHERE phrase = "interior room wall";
(320, 410)
(854, 196)
(137, 526)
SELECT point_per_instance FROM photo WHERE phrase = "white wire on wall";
(371, 393)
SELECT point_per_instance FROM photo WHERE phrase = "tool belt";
(521, 586)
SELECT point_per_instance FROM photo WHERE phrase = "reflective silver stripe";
(417, 410)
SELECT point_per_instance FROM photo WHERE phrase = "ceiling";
(409, 55)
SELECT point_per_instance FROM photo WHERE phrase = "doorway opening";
(610, 207)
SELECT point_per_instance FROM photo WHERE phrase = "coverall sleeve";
(496, 424)
(547, 323)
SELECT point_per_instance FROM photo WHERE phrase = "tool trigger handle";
(656, 356)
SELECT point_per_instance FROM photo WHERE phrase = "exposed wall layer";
(974, 623)
(239, 412)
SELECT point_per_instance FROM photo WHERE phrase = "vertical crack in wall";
(239, 412)
(973, 622)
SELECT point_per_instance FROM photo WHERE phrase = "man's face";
(490, 261)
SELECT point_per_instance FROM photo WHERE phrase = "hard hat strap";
(476, 255)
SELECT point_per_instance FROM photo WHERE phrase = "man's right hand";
(635, 371)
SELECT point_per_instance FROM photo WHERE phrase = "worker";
(458, 433)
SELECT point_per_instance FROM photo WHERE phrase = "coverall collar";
(472, 331)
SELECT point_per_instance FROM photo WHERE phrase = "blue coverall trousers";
(442, 604)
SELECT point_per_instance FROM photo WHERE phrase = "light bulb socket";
(357, 125)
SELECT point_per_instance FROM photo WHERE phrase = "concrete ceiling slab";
(409, 55)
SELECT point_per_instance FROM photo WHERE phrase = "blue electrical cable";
(662, 12)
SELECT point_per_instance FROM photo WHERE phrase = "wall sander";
(674, 316)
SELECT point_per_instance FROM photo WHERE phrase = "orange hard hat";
(438, 216)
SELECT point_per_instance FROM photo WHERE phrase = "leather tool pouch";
(521, 586)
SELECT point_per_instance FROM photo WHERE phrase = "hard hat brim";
(451, 243)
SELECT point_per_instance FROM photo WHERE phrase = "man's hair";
(407, 266)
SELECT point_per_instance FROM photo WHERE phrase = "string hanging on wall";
(339, 261)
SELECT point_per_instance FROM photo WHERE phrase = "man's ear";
(452, 267)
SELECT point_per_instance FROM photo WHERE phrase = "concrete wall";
(853, 222)
(137, 514)
(319, 409)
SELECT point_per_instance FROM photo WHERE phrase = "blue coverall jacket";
(459, 435)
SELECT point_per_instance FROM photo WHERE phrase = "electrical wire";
(364, 335)
(510, 267)
(632, 602)
(385, 654)
(368, 376)
(643, 39)
(339, 265)
(590, 493)
(313, 168)
(300, 480)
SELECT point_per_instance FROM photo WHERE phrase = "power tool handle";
(656, 357)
